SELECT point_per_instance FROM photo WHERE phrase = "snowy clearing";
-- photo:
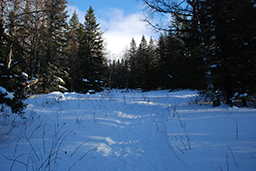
(118, 130)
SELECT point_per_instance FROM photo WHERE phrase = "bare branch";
(162, 8)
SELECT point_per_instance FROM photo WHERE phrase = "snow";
(9, 95)
(15, 63)
(54, 95)
(91, 91)
(2, 90)
(33, 80)
(60, 80)
(213, 66)
(128, 130)
(243, 95)
(62, 87)
(24, 74)
(85, 80)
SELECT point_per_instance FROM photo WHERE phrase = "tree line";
(155, 65)
(207, 45)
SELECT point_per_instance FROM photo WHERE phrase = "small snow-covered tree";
(12, 100)
(9, 73)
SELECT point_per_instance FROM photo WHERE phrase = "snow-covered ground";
(128, 131)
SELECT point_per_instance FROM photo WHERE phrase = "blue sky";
(119, 19)
(129, 6)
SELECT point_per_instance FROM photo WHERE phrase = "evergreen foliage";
(216, 40)
(208, 45)
(91, 56)
(9, 75)
(72, 50)
(118, 74)
(53, 46)
(15, 103)
(235, 40)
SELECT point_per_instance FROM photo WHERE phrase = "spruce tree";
(31, 33)
(53, 42)
(133, 69)
(235, 32)
(168, 65)
(91, 55)
(9, 71)
(72, 50)
(196, 38)
(118, 74)
(162, 64)
(141, 63)
(151, 66)
(191, 13)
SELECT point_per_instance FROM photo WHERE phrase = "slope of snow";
(118, 130)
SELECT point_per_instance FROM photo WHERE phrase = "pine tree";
(168, 67)
(91, 55)
(196, 35)
(30, 33)
(133, 69)
(151, 67)
(118, 74)
(53, 42)
(190, 14)
(141, 64)
(9, 48)
(162, 64)
(72, 50)
(235, 32)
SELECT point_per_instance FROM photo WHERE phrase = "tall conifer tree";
(72, 50)
(91, 55)
(53, 42)
(235, 32)
(132, 57)
(142, 56)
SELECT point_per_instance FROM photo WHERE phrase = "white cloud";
(119, 29)
(72, 8)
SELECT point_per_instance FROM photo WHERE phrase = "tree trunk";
(204, 55)
(3, 9)
(12, 33)
(8, 59)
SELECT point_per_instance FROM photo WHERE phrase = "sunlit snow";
(128, 131)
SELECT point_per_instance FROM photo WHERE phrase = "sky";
(121, 20)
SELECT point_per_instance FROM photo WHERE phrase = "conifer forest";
(207, 45)
(183, 99)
